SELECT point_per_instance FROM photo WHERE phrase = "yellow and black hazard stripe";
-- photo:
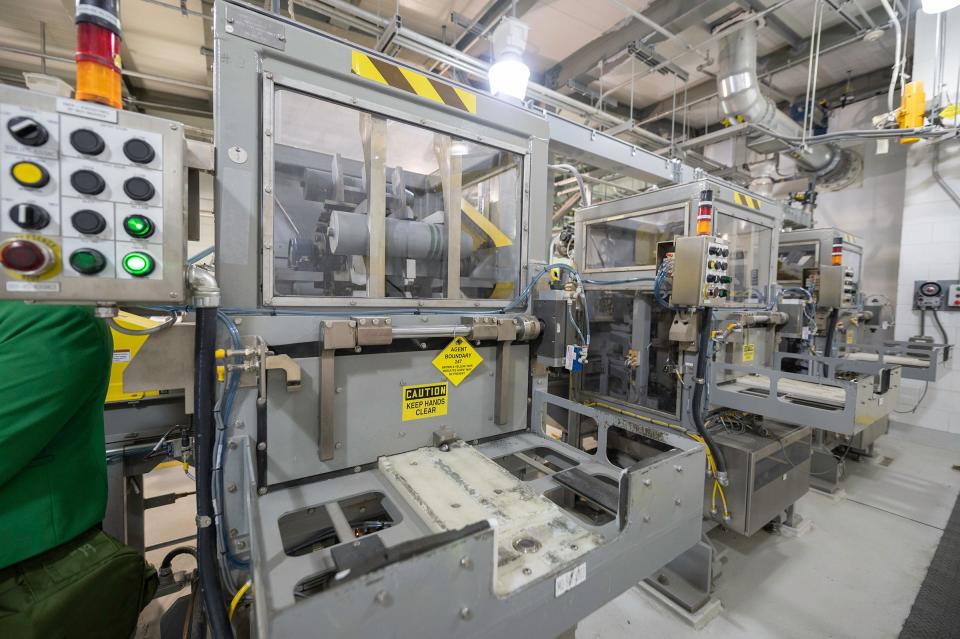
(745, 200)
(378, 70)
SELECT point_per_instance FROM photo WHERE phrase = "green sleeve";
(54, 364)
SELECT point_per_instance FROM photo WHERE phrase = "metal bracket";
(291, 370)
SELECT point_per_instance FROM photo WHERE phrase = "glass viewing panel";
(750, 254)
(629, 242)
(631, 355)
(793, 259)
(340, 173)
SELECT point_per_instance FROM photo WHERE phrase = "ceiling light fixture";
(509, 74)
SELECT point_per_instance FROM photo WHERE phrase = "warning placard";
(749, 351)
(424, 400)
(457, 360)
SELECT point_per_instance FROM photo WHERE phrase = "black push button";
(139, 151)
(27, 131)
(29, 216)
(87, 142)
(138, 188)
(88, 222)
(87, 182)
(88, 261)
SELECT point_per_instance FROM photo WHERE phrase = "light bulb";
(509, 76)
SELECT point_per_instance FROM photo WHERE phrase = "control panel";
(92, 202)
(833, 286)
(937, 295)
(701, 272)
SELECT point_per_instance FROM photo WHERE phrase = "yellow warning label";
(849, 337)
(749, 351)
(457, 360)
(746, 200)
(424, 400)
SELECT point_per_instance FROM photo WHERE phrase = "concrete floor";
(854, 575)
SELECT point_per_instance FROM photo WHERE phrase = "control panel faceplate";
(701, 275)
(92, 202)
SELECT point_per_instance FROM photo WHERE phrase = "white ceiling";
(161, 41)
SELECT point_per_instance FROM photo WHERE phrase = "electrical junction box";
(701, 274)
(936, 295)
(837, 287)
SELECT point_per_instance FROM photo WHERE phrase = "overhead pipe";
(417, 43)
(740, 95)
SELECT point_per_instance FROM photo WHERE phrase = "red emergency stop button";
(26, 257)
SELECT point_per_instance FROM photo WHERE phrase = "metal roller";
(348, 235)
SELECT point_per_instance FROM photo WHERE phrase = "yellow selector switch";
(30, 174)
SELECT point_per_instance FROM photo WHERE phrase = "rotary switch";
(28, 131)
(29, 216)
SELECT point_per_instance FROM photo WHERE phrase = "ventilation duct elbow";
(739, 90)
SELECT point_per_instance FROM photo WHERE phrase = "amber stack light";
(705, 213)
(98, 52)
(836, 255)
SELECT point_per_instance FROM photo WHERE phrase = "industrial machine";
(823, 268)
(375, 457)
(680, 281)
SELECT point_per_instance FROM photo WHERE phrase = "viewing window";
(750, 246)
(631, 241)
(368, 206)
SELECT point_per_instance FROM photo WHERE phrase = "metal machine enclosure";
(364, 318)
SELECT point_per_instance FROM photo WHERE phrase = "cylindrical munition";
(349, 235)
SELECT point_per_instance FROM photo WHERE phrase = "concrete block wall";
(930, 249)
(930, 234)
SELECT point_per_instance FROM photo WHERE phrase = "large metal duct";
(740, 95)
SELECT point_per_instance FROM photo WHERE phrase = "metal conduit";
(740, 95)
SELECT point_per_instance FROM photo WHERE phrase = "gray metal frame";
(938, 356)
(862, 404)
(768, 214)
(245, 61)
(447, 592)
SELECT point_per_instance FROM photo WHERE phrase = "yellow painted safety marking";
(457, 360)
(424, 400)
(498, 237)
(746, 200)
(749, 352)
(421, 85)
(392, 75)
(469, 99)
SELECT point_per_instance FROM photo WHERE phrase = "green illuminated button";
(87, 261)
(138, 226)
(138, 264)
(723, 293)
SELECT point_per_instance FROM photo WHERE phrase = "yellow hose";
(237, 598)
